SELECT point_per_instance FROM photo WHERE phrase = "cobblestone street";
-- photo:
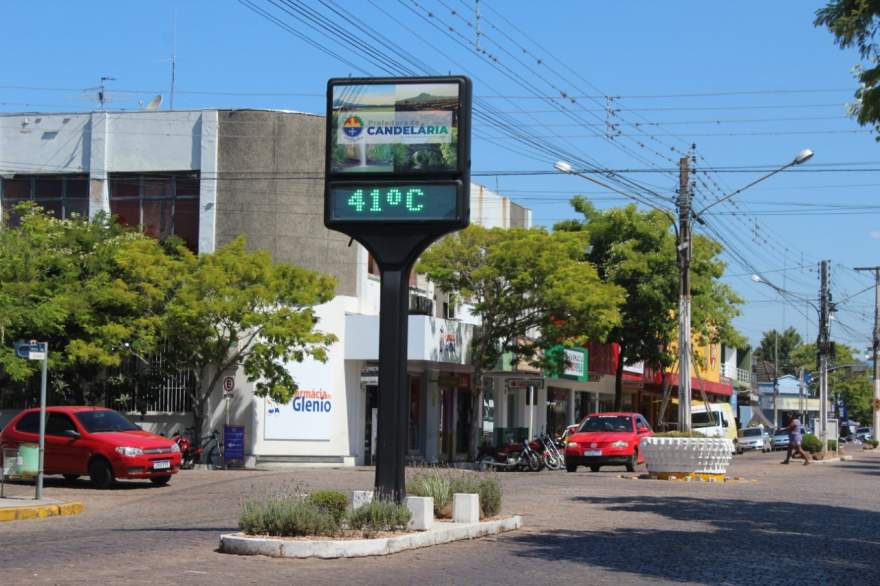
(783, 525)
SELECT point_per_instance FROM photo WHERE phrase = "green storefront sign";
(569, 363)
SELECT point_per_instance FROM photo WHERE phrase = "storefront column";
(432, 416)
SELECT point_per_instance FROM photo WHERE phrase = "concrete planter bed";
(238, 543)
(683, 457)
(423, 532)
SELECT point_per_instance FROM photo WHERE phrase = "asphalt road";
(791, 524)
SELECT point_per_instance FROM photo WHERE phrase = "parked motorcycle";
(189, 455)
(553, 459)
(523, 457)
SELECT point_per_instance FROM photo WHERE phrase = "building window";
(160, 205)
(60, 195)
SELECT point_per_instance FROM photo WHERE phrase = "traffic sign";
(30, 350)
(228, 385)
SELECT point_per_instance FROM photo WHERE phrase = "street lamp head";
(756, 278)
(564, 167)
(803, 156)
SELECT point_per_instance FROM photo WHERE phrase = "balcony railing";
(737, 374)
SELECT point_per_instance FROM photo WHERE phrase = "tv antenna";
(102, 92)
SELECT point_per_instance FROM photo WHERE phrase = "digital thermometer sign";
(396, 178)
(407, 202)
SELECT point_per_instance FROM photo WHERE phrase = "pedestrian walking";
(795, 439)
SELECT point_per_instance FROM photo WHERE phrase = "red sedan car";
(607, 439)
(95, 441)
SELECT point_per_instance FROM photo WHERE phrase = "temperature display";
(394, 202)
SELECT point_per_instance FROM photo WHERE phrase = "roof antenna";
(102, 93)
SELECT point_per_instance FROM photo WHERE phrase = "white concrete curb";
(241, 544)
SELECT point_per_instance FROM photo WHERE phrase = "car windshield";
(98, 421)
(706, 419)
(607, 423)
(863, 430)
(781, 432)
(752, 432)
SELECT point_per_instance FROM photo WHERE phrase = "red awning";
(725, 389)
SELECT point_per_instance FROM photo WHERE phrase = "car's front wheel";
(632, 462)
(160, 480)
(101, 473)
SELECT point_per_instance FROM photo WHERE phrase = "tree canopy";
(94, 291)
(531, 290)
(636, 250)
(854, 23)
(108, 299)
(779, 347)
(237, 306)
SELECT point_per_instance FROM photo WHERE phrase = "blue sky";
(750, 83)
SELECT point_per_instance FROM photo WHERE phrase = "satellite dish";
(154, 103)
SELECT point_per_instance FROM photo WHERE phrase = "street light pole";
(875, 347)
(685, 249)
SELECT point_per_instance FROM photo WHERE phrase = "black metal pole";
(393, 403)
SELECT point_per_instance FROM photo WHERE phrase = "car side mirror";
(71, 433)
(642, 430)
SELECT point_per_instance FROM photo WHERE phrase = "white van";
(714, 420)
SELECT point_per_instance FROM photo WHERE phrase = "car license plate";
(162, 465)
(593, 453)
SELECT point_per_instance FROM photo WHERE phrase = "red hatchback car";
(95, 441)
(607, 439)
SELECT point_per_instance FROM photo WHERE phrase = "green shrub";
(490, 496)
(832, 445)
(872, 442)
(441, 485)
(331, 501)
(811, 444)
(283, 515)
(379, 515)
(435, 484)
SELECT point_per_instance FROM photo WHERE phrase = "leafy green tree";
(778, 347)
(531, 290)
(239, 307)
(854, 23)
(851, 382)
(636, 250)
(90, 288)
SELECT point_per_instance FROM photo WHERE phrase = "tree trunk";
(618, 382)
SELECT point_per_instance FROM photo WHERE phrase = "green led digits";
(377, 202)
(356, 200)
(378, 198)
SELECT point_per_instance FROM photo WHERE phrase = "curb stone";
(40, 511)
(241, 544)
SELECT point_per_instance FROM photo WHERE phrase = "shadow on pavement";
(739, 542)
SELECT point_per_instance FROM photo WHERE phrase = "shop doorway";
(371, 413)
(447, 422)
(557, 410)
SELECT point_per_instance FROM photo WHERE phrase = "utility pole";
(875, 345)
(684, 304)
(824, 346)
(775, 379)
(801, 403)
